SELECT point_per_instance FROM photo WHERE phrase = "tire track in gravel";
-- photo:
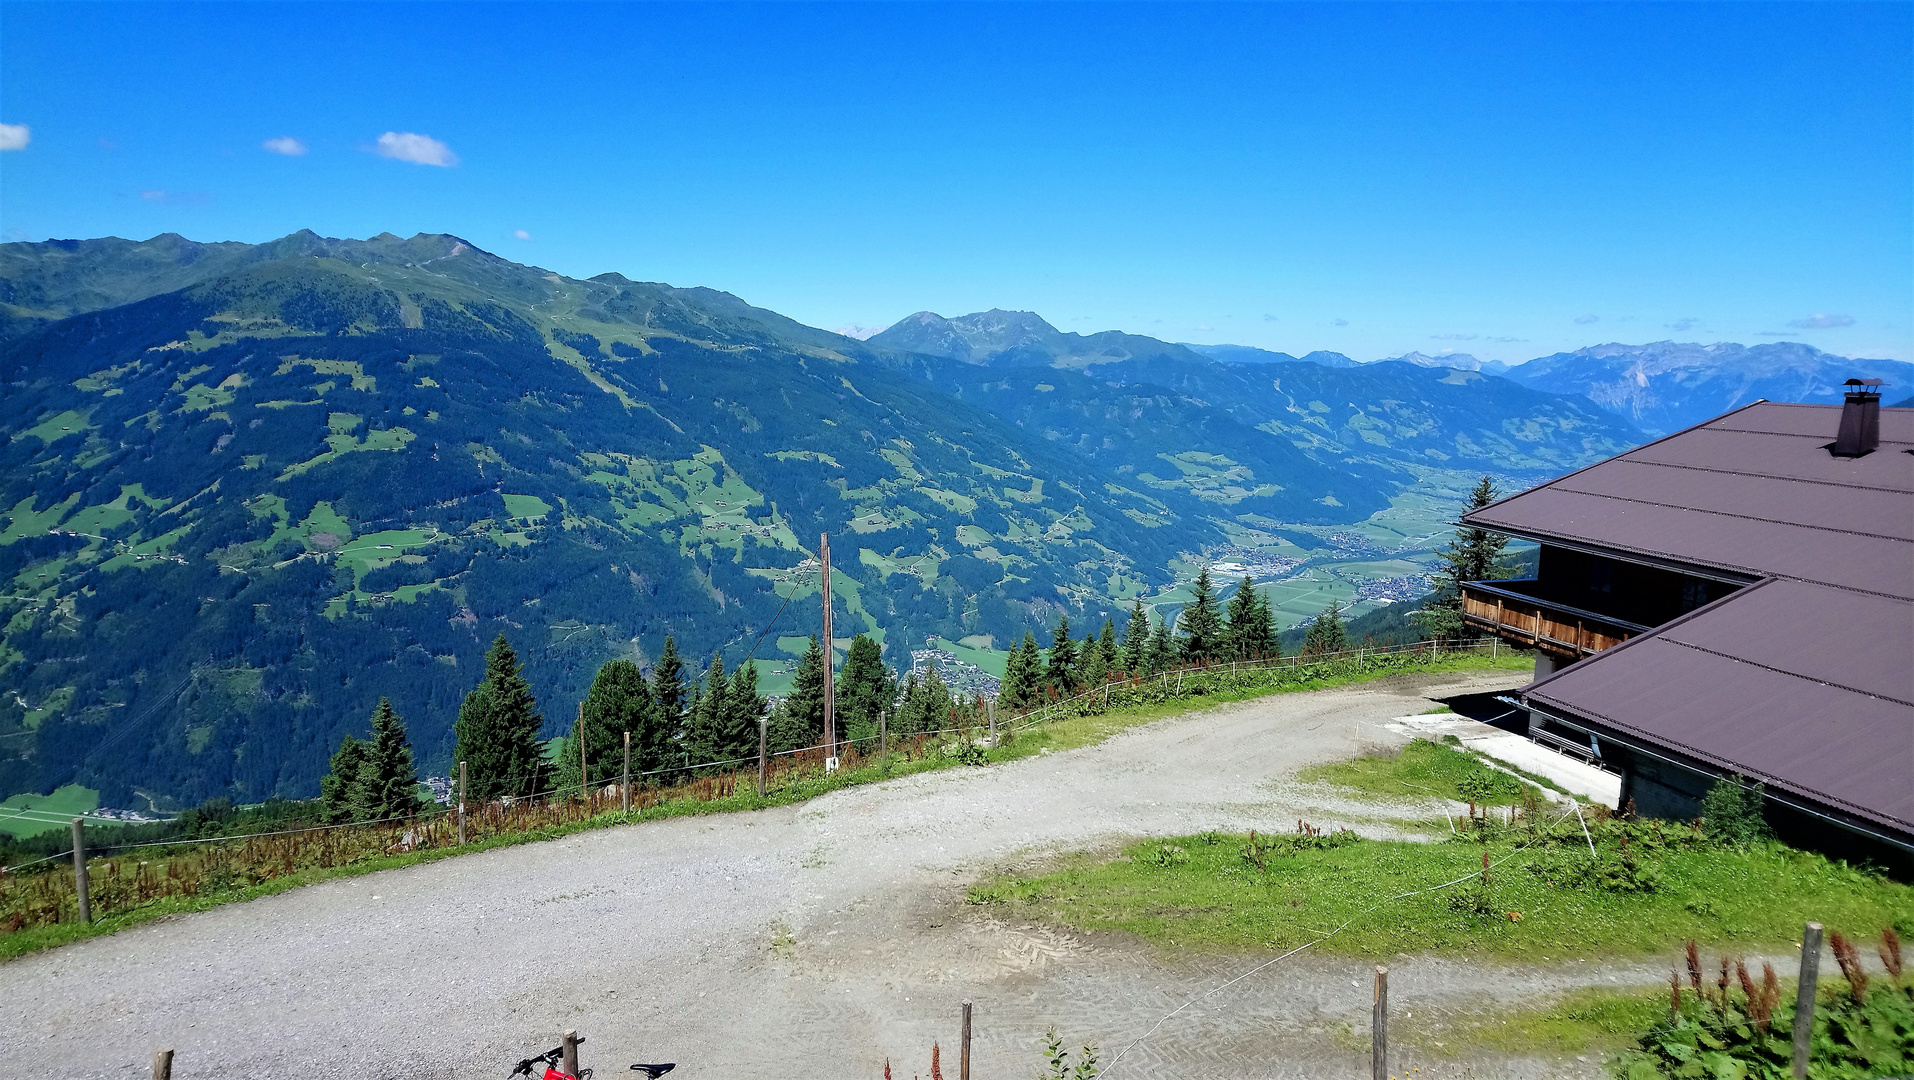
(804, 941)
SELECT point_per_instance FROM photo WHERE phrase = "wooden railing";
(1554, 628)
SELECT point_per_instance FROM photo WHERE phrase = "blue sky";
(1501, 180)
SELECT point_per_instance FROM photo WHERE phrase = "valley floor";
(806, 941)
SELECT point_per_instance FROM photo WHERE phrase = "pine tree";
(865, 689)
(705, 736)
(619, 701)
(668, 694)
(339, 789)
(927, 702)
(1326, 634)
(387, 783)
(745, 706)
(1021, 674)
(1160, 655)
(1200, 623)
(1095, 668)
(1268, 644)
(1472, 555)
(799, 720)
(498, 731)
(1243, 632)
(1107, 642)
(1136, 638)
(1062, 670)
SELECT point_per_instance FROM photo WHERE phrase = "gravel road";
(807, 941)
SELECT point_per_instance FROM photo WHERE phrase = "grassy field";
(1425, 769)
(1544, 899)
(1064, 733)
(30, 815)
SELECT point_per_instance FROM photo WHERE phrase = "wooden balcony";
(1503, 609)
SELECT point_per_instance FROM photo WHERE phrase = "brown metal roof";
(1754, 492)
(1774, 683)
(1804, 680)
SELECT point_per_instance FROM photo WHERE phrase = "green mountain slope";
(237, 512)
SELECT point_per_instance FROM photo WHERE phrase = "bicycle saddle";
(655, 1071)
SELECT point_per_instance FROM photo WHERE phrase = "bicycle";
(551, 1058)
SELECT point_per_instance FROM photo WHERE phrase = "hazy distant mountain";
(1019, 338)
(1452, 361)
(1249, 354)
(1666, 386)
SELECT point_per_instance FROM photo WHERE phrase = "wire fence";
(126, 877)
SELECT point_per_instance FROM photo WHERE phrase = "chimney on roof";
(1860, 419)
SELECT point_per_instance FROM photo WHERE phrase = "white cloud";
(418, 149)
(1452, 337)
(285, 144)
(1682, 326)
(1584, 320)
(154, 195)
(1819, 321)
(15, 136)
(1271, 318)
(1342, 322)
(1205, 329)
(521, 234)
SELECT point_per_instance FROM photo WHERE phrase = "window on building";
(1693, 594)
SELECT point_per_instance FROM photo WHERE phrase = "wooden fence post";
(461, 803)
(624, 782)
(1804, 997)
(568, 1056)
(584, 778)
(1379, 1027)
(764, 739)
(163, 1064)
(79, 870)
(963, 1057)
(884, 738)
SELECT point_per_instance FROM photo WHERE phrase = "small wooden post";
(963, 1056)
(1804, 997)
(830, 651)
(884, 738)
(764, 740)
(624, 782)
(568, 1057)
(79, 870)
(461, 803)
(990, 712)
(584, 781)
(1379, 1027)
(163, 1064)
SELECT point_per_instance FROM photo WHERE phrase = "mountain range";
(251, 489)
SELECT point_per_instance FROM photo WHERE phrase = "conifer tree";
(1136, 638)
(1269, 645)
(619, 701)
(1161, 653)
(705, 735)
(1200, 624)
(498, 731)
(388, 782)
(1107, 642)
(799, 720)
(1062, 671)
(668, 694)
(1326, 633)
(744, 708)
(865, 689)
(927, 702)
(1021, 674)
(1243, 631)
(339, 789)
(1471, 555)
(1095, 669)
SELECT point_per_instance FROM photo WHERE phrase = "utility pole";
(830, 651)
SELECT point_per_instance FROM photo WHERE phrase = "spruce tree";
(339, 789)
(799, 720)
(1200, 623)
(1095, 669)
(388, 782)
(1326, 634)
(744, 707)
(1269, 645)
(1062, 671)
(1107, 642)
(668, 694)
(1018, 689)
(498, 731)
(705, 735)
(928, 703)
(865, 689)
(619, 701)
(1160, 655)
(1244, 630)
(1136, 638)
(1471, 555)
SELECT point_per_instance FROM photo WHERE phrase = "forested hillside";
(251, 490)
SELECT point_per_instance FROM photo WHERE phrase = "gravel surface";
(806, 941)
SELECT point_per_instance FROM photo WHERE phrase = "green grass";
(529, 507)
(30, 815)
(1422, 769)
(1588, 1021)
(1211, 897)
